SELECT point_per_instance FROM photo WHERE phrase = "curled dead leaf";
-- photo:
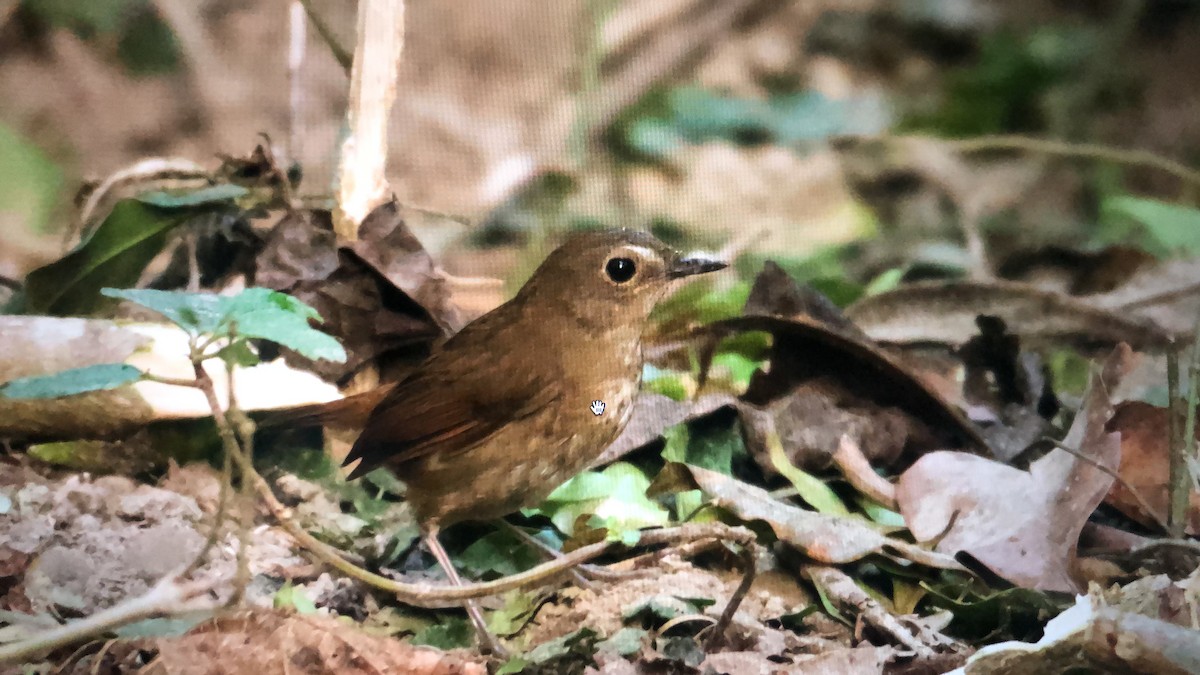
(1024, 526)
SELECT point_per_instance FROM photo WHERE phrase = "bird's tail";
(347, 413)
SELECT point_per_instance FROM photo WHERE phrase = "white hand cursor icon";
(597, 407)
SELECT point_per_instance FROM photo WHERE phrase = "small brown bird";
(524, 397)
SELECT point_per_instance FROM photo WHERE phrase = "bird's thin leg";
(487, 641)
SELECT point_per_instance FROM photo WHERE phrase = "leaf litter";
(1023, 526)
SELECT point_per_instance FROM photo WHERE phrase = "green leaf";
(675, 449)
(616, 496)
(879, 513)
(795, 621)
(1171, 227)
(669, 383)
(196, 313)
(104, 16)
(739, 367)
(625, 642)
(254, 313)
(499, 553)
(29, 182)
(115, 255)
(293, 597)
(278, 317)
(452, 633)
(579, 643)
(192, 198)
(885, 282)
(517, 611)
(239, 354)
(811, 489)
(70, 382)
(658, 609)
(516, 664)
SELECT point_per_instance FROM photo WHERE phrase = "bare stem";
(343, 56)
(1182, 481)
(1175, 448)
(1153, 513)
(1079, 150)
(169, 596)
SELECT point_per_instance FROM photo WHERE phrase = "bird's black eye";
(620, 270)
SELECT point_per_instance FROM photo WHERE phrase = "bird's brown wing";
(429, 414)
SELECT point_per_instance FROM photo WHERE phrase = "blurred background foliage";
(778, 132)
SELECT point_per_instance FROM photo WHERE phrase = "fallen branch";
(169, 596)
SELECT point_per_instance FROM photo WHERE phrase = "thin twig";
(1132, 490)
(1177, 466)
(342, 55)
(1080, 150)
(169, 596)
(1181, 485)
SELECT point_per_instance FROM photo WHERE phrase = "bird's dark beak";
(686, 267)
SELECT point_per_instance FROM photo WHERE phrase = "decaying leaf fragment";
(824, 538)
(1024, 526)
(269, 642)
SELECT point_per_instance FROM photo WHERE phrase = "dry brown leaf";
(264, 642)
(1145, 466)
(944, 313)
(824, 538)
(1024, 526)
(381, 295)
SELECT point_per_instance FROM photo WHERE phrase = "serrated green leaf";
(258, 313)
(192, 198)
(196, 313)
(70, 382)
(271, 315)
(115, 255)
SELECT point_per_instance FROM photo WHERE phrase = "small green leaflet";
(254, 313)
(70, 382)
